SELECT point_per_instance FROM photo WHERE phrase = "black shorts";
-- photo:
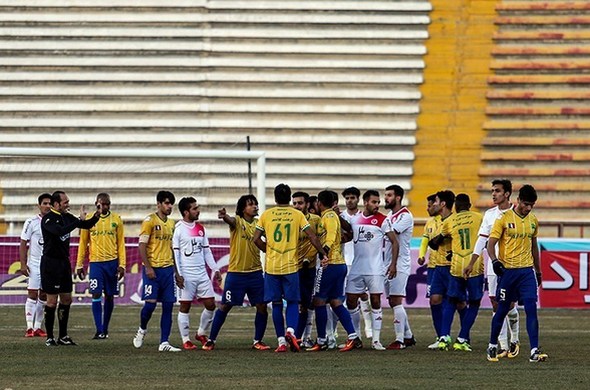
(56, 276)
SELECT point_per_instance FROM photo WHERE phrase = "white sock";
(408, 334)
(355, 314)
(291, 330)
(366, 310)
(377, 318)
(183, 326)
(282, 340)
(514, 324)
(329, 322)
(30, 309)
(39, 312)
(399, 322)
(309, 324)
(206, 320)
(503, 337)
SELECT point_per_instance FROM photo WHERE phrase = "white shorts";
(195, 288)
(397, 285)
(492, 284)
(34, 277)
(359, 284)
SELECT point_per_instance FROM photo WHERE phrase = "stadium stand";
(329, 89)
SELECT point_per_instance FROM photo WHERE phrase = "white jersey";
(192, 251)
(32, 233)
(490, 216)
(368, 235)
(348, 247)
(402, 223)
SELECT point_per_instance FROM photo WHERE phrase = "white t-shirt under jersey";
(402, 223)
(348, 247)
(368, 235)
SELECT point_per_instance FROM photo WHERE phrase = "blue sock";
(532, 322)
(344, 317)
(301, 324)
(437, 314)
(166, 321)
(146, 314)
(468, 319)
(321, 320)
(498, 320)
(448, 312)
(260, 321)
(278, 319)
(292, 314)
(462, 313)
(109, 305)
(97, 314)
(217, 323)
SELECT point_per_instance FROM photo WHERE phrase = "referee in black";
(56, 270)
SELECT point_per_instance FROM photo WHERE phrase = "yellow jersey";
(159, 235)
(282, 226)
(244, 255)
(463, 228)
(445, 247)
(305, 250)
(515, 235)
(332, 238)
(105, 241)
(430, 229)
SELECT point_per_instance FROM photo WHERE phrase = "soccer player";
(244, 274)
(501, 191)
(330, 278)
(400, 224)
(192, 254)
(467, 287)
(155, 251)
(443, 205)
(30, 261)
(282, 225)
(56, 270)
(306, 255)
(366, 272)
(518, 267)
(430, 229)
(105, 242)
(352, 197)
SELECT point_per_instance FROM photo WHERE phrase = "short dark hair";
(431, 198)
(243, 202)
(282, 194)
(505, 183)
(312, 200)
(326, 198)
(370, 193)
(161, 196)
(301, 194)
(352, 191)
(527, 193)
(185, 204)
(397, 190)
(56, 197)
(44, 195)
(334, 196)
(448, 197)
(103, 195)
(462, 202)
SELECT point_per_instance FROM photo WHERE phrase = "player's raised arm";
(223, 215)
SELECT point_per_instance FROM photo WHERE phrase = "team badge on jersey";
(157, 227)
(511, 226)
(374, 221)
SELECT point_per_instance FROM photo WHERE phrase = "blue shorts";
(102, 276)
(439, 285)
(279, 287)
(517, 284)
(330, 282)
(470, 289)
(306, 283)
(162, 288)
(238, 284)
(429, 272)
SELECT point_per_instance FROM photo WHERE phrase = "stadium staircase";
(329, 89)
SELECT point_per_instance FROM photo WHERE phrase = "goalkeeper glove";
(498, 267)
